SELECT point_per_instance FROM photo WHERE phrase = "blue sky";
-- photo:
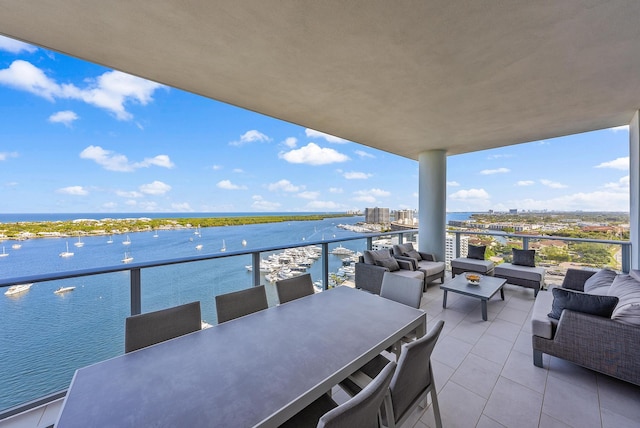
(78, 137)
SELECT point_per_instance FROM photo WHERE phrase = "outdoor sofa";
(608, 344)
(372, 265)
(425, 262)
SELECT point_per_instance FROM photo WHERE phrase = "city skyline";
(79, 137)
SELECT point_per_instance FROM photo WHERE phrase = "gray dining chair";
(402, 289)
(362, 410)
(294, 288)
(154, 327)
(240, 303)
(411, 383)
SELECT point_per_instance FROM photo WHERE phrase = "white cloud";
(322, 206)
(364, 154)
(181, 207)
(148, 206)
(618, 163)
(453, 183)
(15, 46)
(620, 128)
(525, 183)
(228, 185)
(336, 190)
(216, 167)
(110, 91)
(370, 195)
(353, 175)
(312, 154)
(112, 161)
(622, 184)
(155, 188)
(252, 136)
(495, 171)
(129, 194)
(109, 205)
(593, 201)
(470, 194)
(308, 195)
(499, 156)
(283, 186)
(238, 170)
(260, 204)
(131, 202)
(73, 190)
(65, 117)
(6, 155)
(553, 184)
(291, 142)
(330, 138)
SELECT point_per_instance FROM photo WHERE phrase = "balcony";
(485, 365)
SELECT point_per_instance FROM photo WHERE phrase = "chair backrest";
(401, 289)
(361, 410)
(414, 374)
(240, 303)
(400, 249)
(294, 288)
(154, 327)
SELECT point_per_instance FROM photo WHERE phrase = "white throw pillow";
(627, 290)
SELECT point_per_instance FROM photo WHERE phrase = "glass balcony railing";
(48, 335)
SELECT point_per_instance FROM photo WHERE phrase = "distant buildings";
(377, 215)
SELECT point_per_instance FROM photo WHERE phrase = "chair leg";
(537, 358)
(436, 407)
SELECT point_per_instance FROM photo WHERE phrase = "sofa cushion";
(389, 263)
(627, 289)
(541, 324)
(370, 256)
(523, 257)
(418, 274)
(523, 272)
(602, 278)
(563, 298)
(476, 252)
(431, 268)
(413, 254)
(400, 249)
(473, 265)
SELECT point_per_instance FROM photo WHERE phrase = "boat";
(110, 241)
(244, 242)
(341, 251)
(199, 247)
(79, 243)
(16, 246)
(127, 257)
(224, 247)
(63, 290)
(4, 253)
(126, 241)
(66, 253)
(14, 290)
(155, 235)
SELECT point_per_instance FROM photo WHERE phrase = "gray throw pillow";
(413, 254)
(602, 278)
(390, 263)
(476, 252)
(524, 257)
(370, 256)
(627, 290)
(563, 298)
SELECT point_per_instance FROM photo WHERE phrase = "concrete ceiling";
(400, 76)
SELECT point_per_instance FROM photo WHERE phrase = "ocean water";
(45, 337)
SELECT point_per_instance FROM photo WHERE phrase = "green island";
(108, 226)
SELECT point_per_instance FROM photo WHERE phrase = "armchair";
(372, 266)
(425, 262)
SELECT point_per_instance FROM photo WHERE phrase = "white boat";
(199, 247)
(14, 290)
(4, 253)
(224, 247)
(244, 242)
(341, 251)
(16, 246)
(127, 257)
(63, 290)
(155, 235)
(110, 241)
(126, 241)
(66, 253)
(79, 243)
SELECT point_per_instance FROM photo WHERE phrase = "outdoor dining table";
(258, 370)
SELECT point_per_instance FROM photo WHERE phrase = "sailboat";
(110, 241)
(127, 257)
(126, 241)
(66, 253)
(155, 235)
(79, 243)
(4, 253)
(224, 247)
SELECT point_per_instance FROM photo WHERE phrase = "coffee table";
(484, 291)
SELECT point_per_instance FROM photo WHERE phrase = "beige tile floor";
(485, 376)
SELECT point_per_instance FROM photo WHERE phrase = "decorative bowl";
(473, 278)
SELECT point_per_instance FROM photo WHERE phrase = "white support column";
(432, 203)
(634, 189)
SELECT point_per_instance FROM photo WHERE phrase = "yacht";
(14, 290)
(4, 253)
(199, 247)
(341, 251)
(244, 242)
(79, 243)
(63, 290)
(126, 241)
(127, 257)
(16, 246)
(66, 253)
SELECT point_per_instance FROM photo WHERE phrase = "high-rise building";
(450, 248)
(377, 215)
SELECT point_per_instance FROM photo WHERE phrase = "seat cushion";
(431, 268)
(522, 272)
(474, 265)
(400, 249)
(541, 324)
(417, 274)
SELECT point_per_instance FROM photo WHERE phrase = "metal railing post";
(626, 258)
(325, 266)
(400, 238)
(369, 242)
(457, 253)
(255, 266)
(525, 243)
(136, 291)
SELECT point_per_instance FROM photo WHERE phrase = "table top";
(258, 370)
(488, 286)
